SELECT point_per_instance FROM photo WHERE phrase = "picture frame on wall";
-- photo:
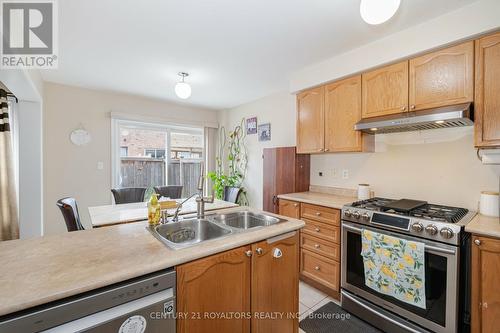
(264, 132)
(252, 125)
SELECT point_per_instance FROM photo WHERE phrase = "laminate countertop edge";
(46, 269)
(484, 226)
(320, 199)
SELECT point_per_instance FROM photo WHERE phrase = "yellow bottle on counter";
(154, 210)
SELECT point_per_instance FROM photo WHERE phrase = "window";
(156, 155)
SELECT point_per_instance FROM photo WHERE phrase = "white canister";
(363, 191)
(489, 204)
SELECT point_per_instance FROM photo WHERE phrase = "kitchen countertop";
(101, 216)
(41, 270)
(321, 199)
(484, 226)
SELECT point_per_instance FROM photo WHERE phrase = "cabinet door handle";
(326, 149)
(321, 149)
(317, 246)
(317, 268)
(412, 107)
(248, 253)
(318, 214)
(318, 229)
(295, 205)
(259, 251)
(403, 108)
(477, 242)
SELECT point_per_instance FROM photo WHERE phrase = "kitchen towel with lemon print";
(394, 267)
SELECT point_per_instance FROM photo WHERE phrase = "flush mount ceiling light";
(378, 11)
(183, 89)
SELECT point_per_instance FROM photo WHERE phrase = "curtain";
(210, 152)
(9, 226)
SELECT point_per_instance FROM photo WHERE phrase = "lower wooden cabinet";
(289, 208)
(485, 307)
(251, 282)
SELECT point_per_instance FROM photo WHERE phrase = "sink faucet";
(200, 200)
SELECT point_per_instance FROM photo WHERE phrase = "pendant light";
(183, 89)
(378, 11)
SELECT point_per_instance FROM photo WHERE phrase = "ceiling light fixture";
(183, 89)
(378, 11)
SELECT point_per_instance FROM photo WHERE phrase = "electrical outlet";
(334, 173)
(345, 174)
(100, 165)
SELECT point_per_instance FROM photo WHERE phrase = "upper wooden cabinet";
(485, 303)
(487, 94)
(385, 90)
(441, 78)
(342, 112)
(310, 121)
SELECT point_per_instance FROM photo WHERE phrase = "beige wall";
(71, 170)
(279, 110)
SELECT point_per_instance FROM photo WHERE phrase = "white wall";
(279, 110)
(439, 166)
(463, 23)
(72, 170)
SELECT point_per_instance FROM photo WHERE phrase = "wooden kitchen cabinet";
(320, 248)
(289, 208)
(250, 280)
(485, 307)
(487, 88)
(441, 78)
(275, 283)
(284, 171)
(342, 112)
(215, 284)
(310, 121)
(385, 90)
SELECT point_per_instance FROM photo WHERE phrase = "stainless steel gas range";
(447, 248)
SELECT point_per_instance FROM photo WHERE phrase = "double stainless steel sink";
(189, 232)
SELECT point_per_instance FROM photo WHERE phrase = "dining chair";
(128, 194)
(232, 194)
(69, 210)
(169, 191)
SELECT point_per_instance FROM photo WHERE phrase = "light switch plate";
(345, 174)
(100, 165)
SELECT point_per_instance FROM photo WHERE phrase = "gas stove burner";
(415, 208)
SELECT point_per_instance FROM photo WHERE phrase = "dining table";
(107, 215)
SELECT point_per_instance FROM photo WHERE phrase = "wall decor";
(252, 125)
(265, 132)
(80, 137)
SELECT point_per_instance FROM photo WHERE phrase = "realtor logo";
(29, 34)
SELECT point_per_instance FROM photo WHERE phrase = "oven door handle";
(427, 246)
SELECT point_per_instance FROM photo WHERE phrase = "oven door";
(441, 280)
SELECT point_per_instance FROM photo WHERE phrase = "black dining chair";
(232, 194)
(69, 210)
(169, 191)
(128, 194)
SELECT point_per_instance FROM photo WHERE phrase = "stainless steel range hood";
(444, 117)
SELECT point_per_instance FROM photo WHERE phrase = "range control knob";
(446, 232)
(348, 213)
(365, 217)
(356, 214)
(418, 227)
(431, 229)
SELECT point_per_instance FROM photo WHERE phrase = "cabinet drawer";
(322, 230)
(289, 208)
(321, 214)
(320, 246)
(320, 269)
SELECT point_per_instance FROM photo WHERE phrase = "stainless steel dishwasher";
(141, 305)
